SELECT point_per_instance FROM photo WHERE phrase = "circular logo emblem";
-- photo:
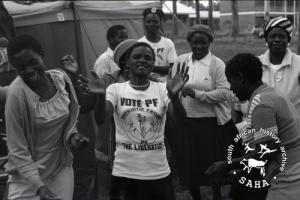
(253, 170)
(142, 124)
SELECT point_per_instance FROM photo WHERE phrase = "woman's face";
(30, 65)
(152, 23)
(277, 40)
(140, 61)
(199, 44)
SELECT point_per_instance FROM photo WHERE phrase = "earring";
(288, 44)
(266, 44)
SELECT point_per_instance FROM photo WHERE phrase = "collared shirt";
(105, 64)
(200, 80)
(285, 78)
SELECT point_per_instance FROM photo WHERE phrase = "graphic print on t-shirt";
(142, 124)
(159, 54)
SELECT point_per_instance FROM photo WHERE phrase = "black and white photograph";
(150, 100)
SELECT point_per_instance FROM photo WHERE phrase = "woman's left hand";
(79, 141)
(175, 84)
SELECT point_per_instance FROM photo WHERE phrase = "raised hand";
(187, 91)
(175, 84)
(94, 85)
(69, 64)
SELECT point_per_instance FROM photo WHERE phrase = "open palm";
(93, 85)
(176, 83)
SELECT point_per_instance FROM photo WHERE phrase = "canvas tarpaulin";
(52, 23)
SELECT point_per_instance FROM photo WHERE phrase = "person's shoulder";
(272, 98)
(117, 86)
(102, 57)
(263, 55)
(159, 86)
(219, 61)
(16, 89)
(167, 40)
(184, 56)
(16, 83)
(142, 39)
(296, 56)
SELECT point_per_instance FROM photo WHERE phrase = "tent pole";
(78, 41)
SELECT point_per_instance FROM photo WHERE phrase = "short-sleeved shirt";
(165, 52)
(270, 111)
(105, 64)
(140, 120)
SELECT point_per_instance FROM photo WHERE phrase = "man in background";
(105, 63)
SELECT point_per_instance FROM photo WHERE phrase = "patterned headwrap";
(280, 22)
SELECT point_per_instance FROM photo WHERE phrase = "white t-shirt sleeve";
(111, 94)
(172, 55)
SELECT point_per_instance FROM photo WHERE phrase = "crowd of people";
(158, 116)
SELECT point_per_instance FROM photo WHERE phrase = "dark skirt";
(198, 144)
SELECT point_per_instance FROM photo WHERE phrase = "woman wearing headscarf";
(208, 127)
(281, 66)
(105, 139)
(139, 108)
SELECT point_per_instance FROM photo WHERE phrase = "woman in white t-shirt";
(164, 48)
(139, 108)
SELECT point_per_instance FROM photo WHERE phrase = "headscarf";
(280, 22)
(121, 50)
(200, 28)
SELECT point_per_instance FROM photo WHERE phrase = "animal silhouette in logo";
(265, 150)
(253, 163)
(248, 148)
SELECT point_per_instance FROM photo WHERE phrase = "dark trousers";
(133, 189)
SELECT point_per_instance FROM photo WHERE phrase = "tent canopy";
(53, 24)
